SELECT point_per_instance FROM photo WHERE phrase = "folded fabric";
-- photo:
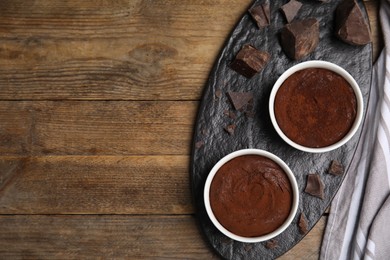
(356, 227)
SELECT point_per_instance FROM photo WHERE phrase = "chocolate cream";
(251, 195)
(315, 107)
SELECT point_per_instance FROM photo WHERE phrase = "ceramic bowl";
(324, 65)
(291, 178)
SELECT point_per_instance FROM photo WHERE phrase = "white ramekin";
(288, 172)
(325, 65)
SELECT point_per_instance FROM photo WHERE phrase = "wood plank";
(121, 50)
(100, 237)
(96, 128)
(95, 185)
(372, 8)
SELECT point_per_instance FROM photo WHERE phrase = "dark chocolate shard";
(336, 168)
(303, 228)
(271, 244)
(261, 14)
(290, 10)
(351, 27)
(315, 186)
(230, 129)
(300, 38)
(248, 247)
(249, 61)
(240, 100)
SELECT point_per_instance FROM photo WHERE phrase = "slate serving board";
(211, 142)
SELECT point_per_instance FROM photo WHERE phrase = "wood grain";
(101, 237)
(97, 105)
(110, 236)
(96, 128)
(111, 50)
(95, 185)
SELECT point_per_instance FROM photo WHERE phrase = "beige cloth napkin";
(358, 226)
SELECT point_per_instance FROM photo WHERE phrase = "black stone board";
(211, 142)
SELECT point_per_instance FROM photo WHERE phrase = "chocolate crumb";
(261, 14)
(315, 186)
(249, 61)
(230, 114)
(290, 10)
(336, 168)
(199, 144)
(218, 93)
(303, 229)
(230, 129)
(271, 244)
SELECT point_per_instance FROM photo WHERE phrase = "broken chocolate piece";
(303, 229)
(271, 244)
(261, 14)
(300, 38)
(230, 129)
(249, 61)
(315, 186)
(351, 27)
(240, 100)
(336, 168)
(291, 9)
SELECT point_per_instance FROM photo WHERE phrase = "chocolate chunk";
(336, 168)
(291, 9)
(315, 186)
(249, 61)
(303, 229)
(240, 100)
(261, 14)
(271, 244)
(351, 27)
(230, 129)
(300, 38)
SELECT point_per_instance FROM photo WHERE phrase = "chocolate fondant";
(315, 107)
(251, 195)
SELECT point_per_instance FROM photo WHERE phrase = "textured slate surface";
(213, 142)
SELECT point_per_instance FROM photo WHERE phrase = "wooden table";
(98, 104)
